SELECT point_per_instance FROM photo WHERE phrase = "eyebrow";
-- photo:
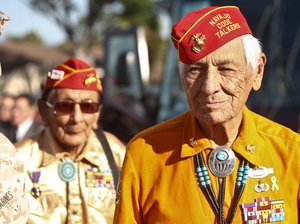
(225, 62)
(219, 63)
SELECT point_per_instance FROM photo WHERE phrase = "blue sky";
(24, 20)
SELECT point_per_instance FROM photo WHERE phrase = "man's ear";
(259, 73)
(43, 111)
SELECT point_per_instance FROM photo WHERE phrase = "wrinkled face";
(71, 130)
(217, 86)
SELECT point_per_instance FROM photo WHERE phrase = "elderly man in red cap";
(219, 162)
(71, 170)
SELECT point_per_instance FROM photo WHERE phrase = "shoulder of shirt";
(114, 141)
(271, 128)
(29, 151)
(4, 139)
(6, 147)
(170, 125)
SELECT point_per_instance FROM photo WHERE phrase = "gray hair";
(252, 50)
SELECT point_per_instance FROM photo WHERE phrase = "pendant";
(36, 192)
(67, 170)
(221, 161)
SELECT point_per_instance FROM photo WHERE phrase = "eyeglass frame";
(52, 106)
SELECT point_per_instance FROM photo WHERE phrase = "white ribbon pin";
(274, 185)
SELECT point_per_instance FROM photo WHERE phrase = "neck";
(222, 134)
(71, 151)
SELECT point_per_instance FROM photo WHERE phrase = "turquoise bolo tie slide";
(221, 161)
(67, 170)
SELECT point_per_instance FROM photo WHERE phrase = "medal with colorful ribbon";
(35, 177)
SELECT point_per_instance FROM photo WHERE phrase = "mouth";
(72, 131)
(213, 105)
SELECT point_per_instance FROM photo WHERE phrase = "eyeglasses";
(67, 107)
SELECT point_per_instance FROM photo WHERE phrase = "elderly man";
(219, 162)
(14, 208)
(70, 178)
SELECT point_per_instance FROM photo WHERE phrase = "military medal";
(261, 187)
(263, 210)
(35, 176)
(221, 161)
(99, 177)
(67, 170)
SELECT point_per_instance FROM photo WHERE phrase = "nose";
(77, 114)
(210, 82)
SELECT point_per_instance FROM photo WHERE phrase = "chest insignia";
(263, 210)
(97, 177)
(260, 172)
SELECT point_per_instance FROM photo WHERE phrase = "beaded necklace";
(205, 183)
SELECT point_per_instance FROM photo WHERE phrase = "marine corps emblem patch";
(198, 45)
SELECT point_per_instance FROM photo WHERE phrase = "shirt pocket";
(48, 203)
(101, 198)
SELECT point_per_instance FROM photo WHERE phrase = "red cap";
(74, 74)
(202, 31)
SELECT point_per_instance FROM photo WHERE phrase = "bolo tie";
(221, 163)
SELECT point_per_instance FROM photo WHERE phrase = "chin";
(72, 142)
(214, 118)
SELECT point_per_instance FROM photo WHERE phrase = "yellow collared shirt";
(158, 183)
(89, 198)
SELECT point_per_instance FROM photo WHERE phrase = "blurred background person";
(24, 117)
(6, 107)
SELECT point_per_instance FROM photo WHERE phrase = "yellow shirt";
(158, 183)
(86, 199)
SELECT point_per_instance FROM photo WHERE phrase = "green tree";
(61, 11)
(101, 16)
(30, 37)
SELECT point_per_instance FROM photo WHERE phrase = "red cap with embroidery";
(202, 31)
(74, 74)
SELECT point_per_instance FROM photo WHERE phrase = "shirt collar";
(52, 153)
(248, 136)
